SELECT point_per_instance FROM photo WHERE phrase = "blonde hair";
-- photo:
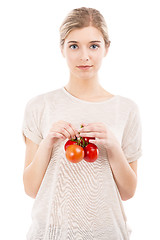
(83, 17)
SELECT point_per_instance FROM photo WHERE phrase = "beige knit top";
(80, 201)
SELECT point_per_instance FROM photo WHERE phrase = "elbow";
(129, 192)
(30, 193)
(28, 189)
(127, 196)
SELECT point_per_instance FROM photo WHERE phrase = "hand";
(60, 131)
(103, 135)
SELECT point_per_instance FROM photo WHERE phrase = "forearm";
(35, 171)
(124, 175)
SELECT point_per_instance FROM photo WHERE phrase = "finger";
(92, 123)
(84, 124)
(98, 141)
(70, 129)
(92, 141)
(92, 129)
(74, 130)
(93, 134)
(65, 129)
(63, 132)
(57, 135)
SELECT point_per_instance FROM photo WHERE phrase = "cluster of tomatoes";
(80, 148)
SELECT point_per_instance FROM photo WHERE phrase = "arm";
(38, 156)
(36, 162)
(125, 174)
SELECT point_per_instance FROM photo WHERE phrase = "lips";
(84, 66)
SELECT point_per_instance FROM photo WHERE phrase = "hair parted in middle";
(83, 17)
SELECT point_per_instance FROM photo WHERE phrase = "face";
(84, 50)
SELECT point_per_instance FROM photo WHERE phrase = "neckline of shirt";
(88, 102)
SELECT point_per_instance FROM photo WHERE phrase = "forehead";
(86, 34)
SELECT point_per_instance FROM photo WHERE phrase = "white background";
(31, 63)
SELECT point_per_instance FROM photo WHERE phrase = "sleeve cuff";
(134, 157)
(34, 138)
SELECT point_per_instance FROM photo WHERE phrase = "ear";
(106, 51)
(62, 51)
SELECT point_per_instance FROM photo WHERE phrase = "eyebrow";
(89, 42)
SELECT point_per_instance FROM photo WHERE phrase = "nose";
(84, 55)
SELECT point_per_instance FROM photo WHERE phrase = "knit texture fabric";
(80, 201)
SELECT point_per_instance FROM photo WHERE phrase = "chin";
(85, 76)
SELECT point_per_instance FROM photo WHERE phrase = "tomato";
(86, 139)
(91, 152)
(74, 153)
(69, 142)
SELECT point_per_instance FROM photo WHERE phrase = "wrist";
(114, 150)
(46, 144)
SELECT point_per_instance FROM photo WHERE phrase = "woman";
(81, 200)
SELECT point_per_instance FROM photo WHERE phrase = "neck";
(86, 87)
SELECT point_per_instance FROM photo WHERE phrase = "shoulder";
(129, 108)
(39, 101)
(127, 104)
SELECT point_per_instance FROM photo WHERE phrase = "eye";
(73, 46)
(94, 46)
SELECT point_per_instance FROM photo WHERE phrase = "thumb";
(83, 124)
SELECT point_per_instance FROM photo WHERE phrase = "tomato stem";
(80, 141)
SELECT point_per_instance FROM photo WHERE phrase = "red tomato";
(74, 153)
(86, 139)
(69, 142)
(91, 152)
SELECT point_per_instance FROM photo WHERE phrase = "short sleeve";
(131, 142)
(31, 121)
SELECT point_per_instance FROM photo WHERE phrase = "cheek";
(71, 59)
(97, 56)
(98, 59)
